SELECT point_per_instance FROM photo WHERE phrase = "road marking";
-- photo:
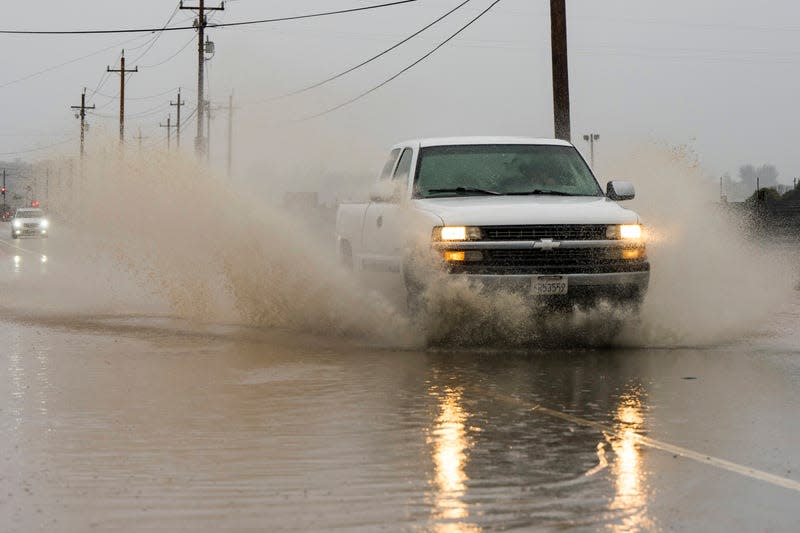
(723, 464)
(18, 247)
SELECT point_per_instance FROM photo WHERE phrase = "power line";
(370, 60)
(141, 114)
(182, 48)
(40, 148)
(159, 34)
(150, 97)
(409, 67)
(212, 25)
(69, 62)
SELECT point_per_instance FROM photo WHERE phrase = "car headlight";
(626, 232)
(17, 224)
(45, 223)
(456, 233)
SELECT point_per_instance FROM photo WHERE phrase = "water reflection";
(450, 445)
(630, 479)
(30, 262)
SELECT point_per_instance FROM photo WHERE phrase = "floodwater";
(112, 420)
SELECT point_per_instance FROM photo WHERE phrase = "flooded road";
(140, 421)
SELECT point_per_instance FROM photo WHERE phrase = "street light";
(591, 138)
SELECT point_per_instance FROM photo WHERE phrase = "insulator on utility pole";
(82, 116)
(122, 72)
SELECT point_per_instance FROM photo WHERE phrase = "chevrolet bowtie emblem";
(546, 244)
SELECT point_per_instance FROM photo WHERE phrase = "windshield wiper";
(541, 191)
(466, 190)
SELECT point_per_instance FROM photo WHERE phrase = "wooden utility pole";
(200, 23)
(179, 104)
(122, 71)
(558, 43)
(230, 133)
(82, 116)
(169, 127)
(208, 131)
(140, 138)
(591, 138)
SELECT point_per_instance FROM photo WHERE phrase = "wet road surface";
(143, 422)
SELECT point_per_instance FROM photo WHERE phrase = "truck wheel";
(415, 304)
(346, 255)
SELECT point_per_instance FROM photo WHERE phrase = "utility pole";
(169, 127)
(4, 189)
(122, 71)
(208, 131)
(558, 44)
(200, 23)
(140, 138)
(591, 138)
(82, 116)
(230, 133)
(179, 104)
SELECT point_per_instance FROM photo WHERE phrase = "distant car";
(29, 222)
(6, 215)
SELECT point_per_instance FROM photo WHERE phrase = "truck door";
(383, 237)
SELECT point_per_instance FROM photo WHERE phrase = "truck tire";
(346, 255)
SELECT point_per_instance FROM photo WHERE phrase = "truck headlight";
(456, 233)
(17, 224)
(44, 224)
(624, 231)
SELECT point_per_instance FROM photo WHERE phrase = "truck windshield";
(503, 169)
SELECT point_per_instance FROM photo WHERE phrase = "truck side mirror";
(620, 190)
(385, 191)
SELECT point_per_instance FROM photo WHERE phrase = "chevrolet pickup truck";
(516, 214)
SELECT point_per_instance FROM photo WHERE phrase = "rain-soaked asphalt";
(137, 423)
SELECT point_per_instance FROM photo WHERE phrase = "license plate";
(547, 285)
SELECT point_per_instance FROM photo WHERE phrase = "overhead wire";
(370, 60)
(216, 25)
(170, 58)
(40, 148)
(69, 62)
(159, 34)
(406, 69)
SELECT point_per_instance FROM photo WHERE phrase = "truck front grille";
(557, 232)
(556, 261)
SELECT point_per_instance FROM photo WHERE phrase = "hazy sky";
(720, 76)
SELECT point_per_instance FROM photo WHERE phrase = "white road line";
(677, 450)
(18, 247)
(710, 460)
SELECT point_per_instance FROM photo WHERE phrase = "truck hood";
(526, 210)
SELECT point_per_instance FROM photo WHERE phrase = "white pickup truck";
(525, 215)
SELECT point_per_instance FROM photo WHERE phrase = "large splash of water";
(211, 252)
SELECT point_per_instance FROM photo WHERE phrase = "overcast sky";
(720, 76)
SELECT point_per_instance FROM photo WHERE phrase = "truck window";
(386, 173)
(403, 167)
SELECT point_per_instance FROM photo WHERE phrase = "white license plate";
(547, 285)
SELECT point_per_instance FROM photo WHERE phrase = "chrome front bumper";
(622, 280)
